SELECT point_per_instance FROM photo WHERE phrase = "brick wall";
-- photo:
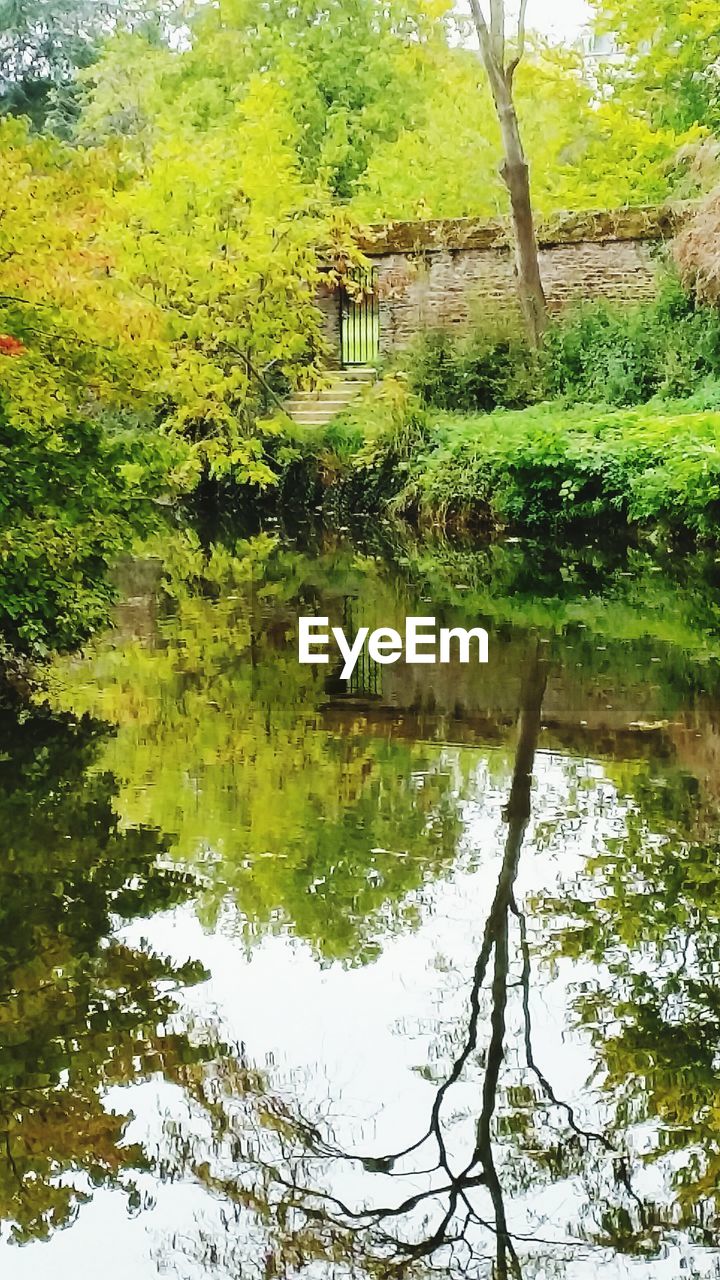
(452, 273)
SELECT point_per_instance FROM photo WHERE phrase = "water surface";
(309, 978)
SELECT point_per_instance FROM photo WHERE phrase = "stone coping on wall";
(640, 222)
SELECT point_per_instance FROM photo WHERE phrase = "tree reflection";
(648, 917)
(445, 1226)
(302, 823)
(79, 1010)
(292, 1196)
(329, 830)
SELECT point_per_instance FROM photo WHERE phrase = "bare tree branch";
(588, 1134)
(521, 28)
(497, 31)
(493, 68)
(481, 25)
(520, 49)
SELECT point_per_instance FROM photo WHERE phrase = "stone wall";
(328, 302)
(455, 273)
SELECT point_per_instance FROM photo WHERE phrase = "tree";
(515, 172)
(44, 43)
(356, 74)
(220, 234)
(70, 351)
(586, 154)
(671, 66)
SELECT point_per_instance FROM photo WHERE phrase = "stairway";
(316, 408)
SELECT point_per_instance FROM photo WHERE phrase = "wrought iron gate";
(366, 679)
(360, 320)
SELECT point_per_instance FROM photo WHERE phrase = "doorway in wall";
(360, 320)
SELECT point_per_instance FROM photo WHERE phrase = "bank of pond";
(653, 470)
(611, 425)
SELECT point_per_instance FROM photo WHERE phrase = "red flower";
(11, 346)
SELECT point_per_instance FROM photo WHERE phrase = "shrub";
(546, 469)
(697, 251)
(391, 425)
(599, 353)
(489, 369)
(77, 481)
(602, 354)
(625, 355)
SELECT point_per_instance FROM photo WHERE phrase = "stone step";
(317, 407)
(320, 400)
(315, 421)
(349, 388)
(322, 406)
(331, 393)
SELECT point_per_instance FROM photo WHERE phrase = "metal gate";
(360, 320)
(366, 679)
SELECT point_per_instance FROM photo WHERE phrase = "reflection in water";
(80, 1011)
(453, 1005)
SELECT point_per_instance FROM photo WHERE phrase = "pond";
(413, 974)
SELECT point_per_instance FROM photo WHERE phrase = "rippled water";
(306, 978)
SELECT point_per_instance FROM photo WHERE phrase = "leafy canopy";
(670, 68)
(70, 490)
(44, 43)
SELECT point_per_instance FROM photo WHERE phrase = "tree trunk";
(516, 176)
(514, 169)
(532, 693)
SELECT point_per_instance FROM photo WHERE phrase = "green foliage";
(42, 45)
(545, 468)
(444, 163)
(147, 355)
(671, 52)
(72, 496)
(72, 367)
(79, 462)
(552, 465)
(551, 469)
(371, 449)
(623, 356)
(599, 353)
(45, 43)
(353, 75)
(218, 234)
(604, 354)
(78, 472)
(490, 369)
(583, 153)
(389, 113)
